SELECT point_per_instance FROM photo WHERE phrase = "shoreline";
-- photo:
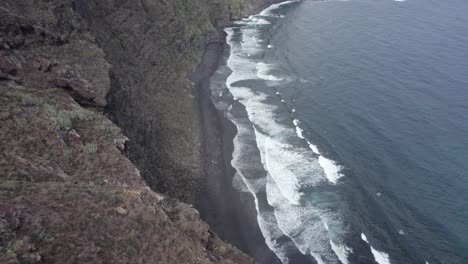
(231, 214)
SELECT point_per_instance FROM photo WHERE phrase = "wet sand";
(230, 213)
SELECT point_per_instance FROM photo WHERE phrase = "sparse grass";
(63, 119)
(81, 114)
(22, 124)
(49, 110)
(9, 185)
(185, 227)
(25, 99)
(28, 100)
(222, 250)
(89, 148)
(113, 199)
(166, 243)
(110, 129)
(234, 7)
(113, 130)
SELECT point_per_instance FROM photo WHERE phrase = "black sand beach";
(230, 213)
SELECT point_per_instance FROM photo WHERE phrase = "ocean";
(352, 128)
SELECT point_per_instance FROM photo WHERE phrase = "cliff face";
(68, 192)
(154, 46)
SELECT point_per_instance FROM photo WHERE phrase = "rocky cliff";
(69, 189)
(154, 46)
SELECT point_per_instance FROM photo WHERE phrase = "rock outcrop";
(68, 191)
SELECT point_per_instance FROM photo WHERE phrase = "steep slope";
(154, 46)
(68, 193)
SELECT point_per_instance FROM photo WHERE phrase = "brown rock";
(70, 79)
(120, 143)
(41, 63)
(13, 222)
(7, 66)
(73, 137)
(121, 211)
(159, 197)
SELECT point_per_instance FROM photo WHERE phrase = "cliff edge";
(69, 190)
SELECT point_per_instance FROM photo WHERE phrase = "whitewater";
(326, 100)
(299, 180)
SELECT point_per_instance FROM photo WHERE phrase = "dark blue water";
(381, 88)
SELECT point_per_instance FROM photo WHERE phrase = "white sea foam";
(269, 77)
(252, 21)
(332, 170)
(304, 225)
(256, 182)
(253, 182)
(341, 251)
(299, 131)
(314, 148)
(264, 70)
(380, 257)
(292, 168)
(239, 184)
(293, 171)
(363, 237)
(249, 43)
(268, 10)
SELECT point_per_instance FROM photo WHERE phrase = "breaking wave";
(380, 257)
(293, 184)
